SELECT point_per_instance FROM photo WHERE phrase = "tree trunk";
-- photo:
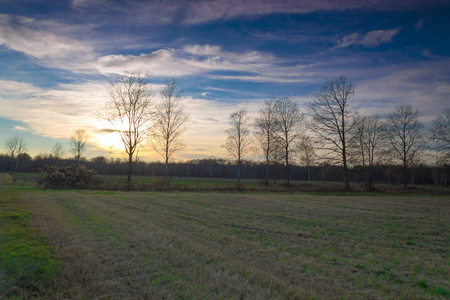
(434, 177)
(405, 176)
(12, 164)
(287, 167)
(130, 166)
(346, 177)
(239, 174)
(346, 173)
(309, 176)
(166, 169)
(17, 165)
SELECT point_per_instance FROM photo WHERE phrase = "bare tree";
(78, 144)
(370, 141)
(287, 129)
(15, 146)
(58, 151)
(238, 142)
(333, 121)
(264, 134)
(170, 123)
(440, 135)
(405, 136)
(356, 152)
(307, 153)
(129, 112)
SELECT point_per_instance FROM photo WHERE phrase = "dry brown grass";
(259, 246)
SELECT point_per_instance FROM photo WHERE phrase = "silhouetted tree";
(307, 153)
(238, 140)
(15, 146)
(370, 141)
(129, 112)
(58, 151)
(287, 129)
(440, 135)
(264, 127)
(333, 121)
(405, 136)
(170, 123)
(78, 144)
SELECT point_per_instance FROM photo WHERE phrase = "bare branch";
(238, 143)
(332, 120)
(405, 136)
(170, 123)
(129, 112)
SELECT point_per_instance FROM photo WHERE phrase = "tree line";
(219, 168)
(328, 134)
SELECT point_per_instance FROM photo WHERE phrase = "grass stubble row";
(236, 245)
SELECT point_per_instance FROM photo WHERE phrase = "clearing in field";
(235, 245)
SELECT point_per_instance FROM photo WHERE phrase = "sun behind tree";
(129, 112)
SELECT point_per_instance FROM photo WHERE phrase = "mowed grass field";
(117, 245)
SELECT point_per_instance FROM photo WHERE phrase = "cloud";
(259, 78)
(54, 112)
(196, 59)
(16, 34)
(203, 50)
(199, 12)
(371, 39)
(423, 85)
(53, 50)
(378, 37)
(420, 24)
(21, 128)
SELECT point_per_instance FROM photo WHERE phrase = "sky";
(58, 57)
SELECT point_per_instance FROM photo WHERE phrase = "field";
(99, 244)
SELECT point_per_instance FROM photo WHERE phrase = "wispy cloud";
(370, 39)
(420, 24)
(45, 110)
(203, 50)
(17, 34)
(196, 59)
(198, 12)
(423, 85)
(53, 50)
(260, 78)
(21, 128)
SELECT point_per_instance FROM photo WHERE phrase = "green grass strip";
(27, 264)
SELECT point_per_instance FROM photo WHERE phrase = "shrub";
(69, 177)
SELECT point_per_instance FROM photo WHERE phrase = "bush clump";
(69, 177)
